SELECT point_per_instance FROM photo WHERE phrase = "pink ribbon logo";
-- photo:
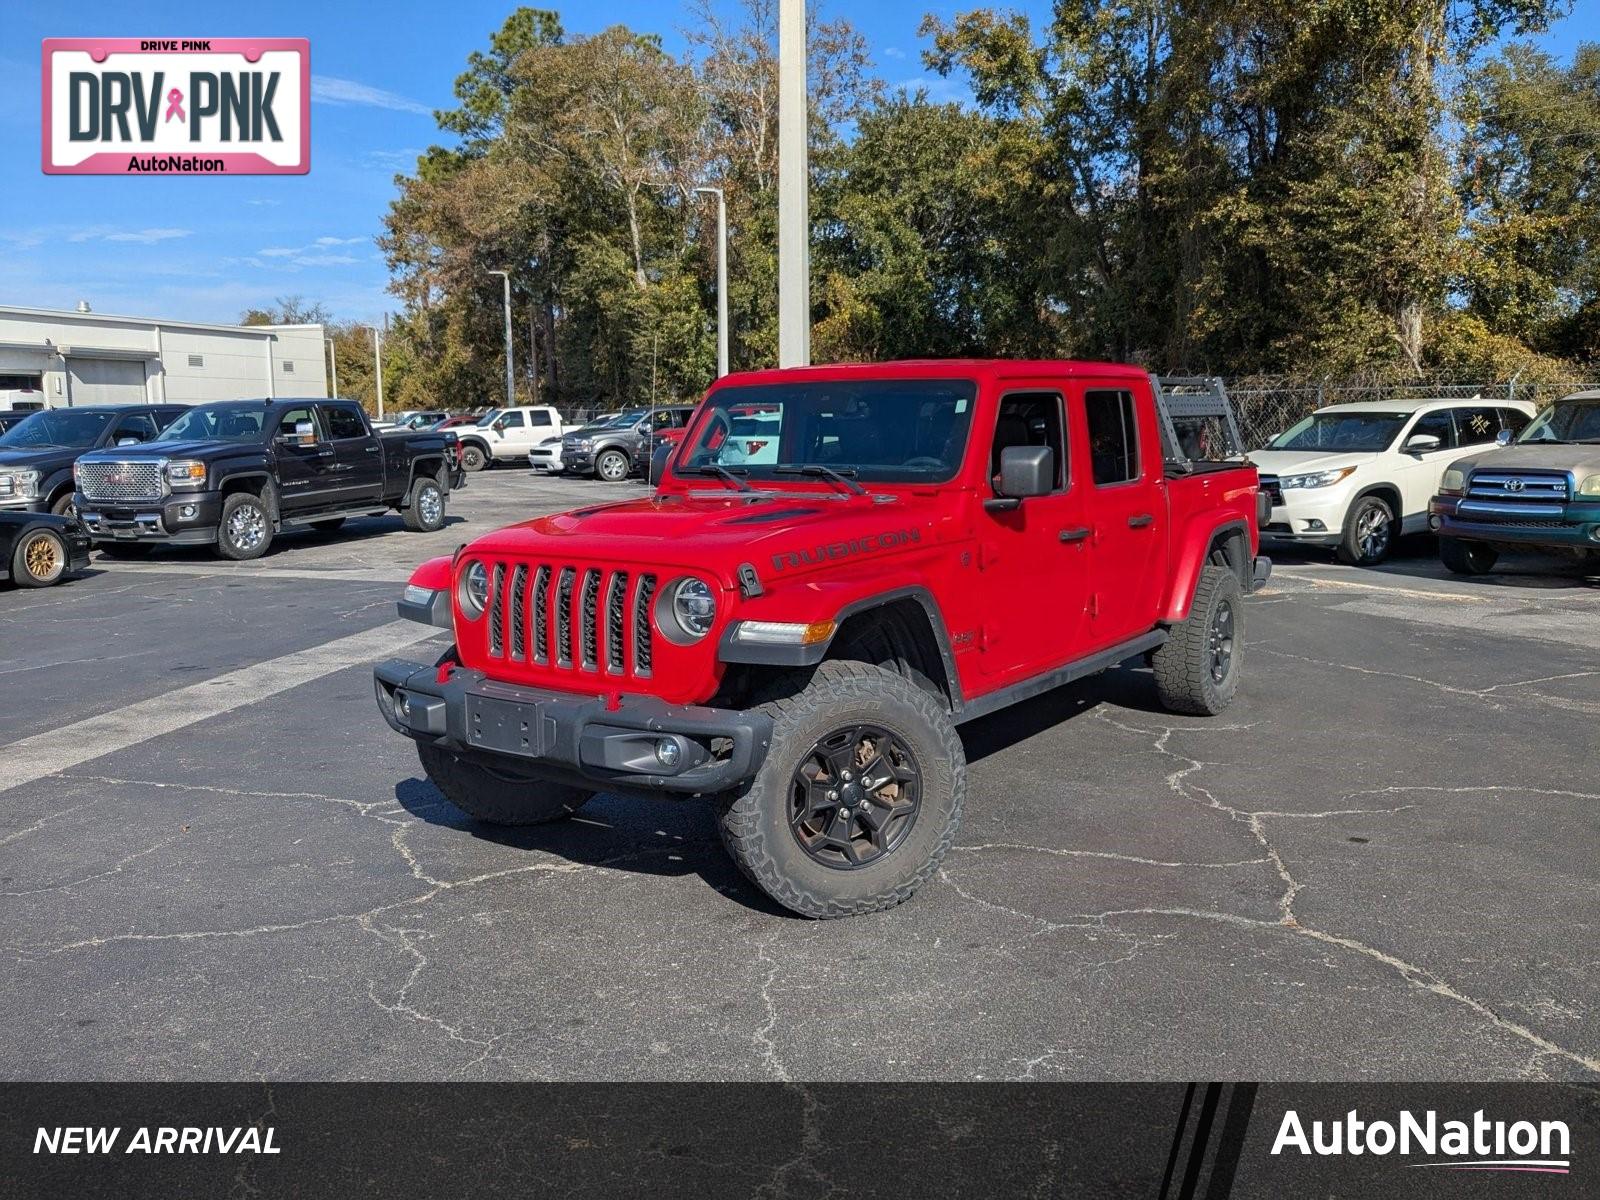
(175, 106)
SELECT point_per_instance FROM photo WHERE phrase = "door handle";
(325, 453)
(1140, 520)
(1076, 535)
(372, 449)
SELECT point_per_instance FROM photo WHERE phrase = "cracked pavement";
(1379, 864)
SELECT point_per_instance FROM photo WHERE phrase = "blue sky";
(205, 249)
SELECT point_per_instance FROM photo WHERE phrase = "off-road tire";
(227, 546)
(473, 458)
(331, 525)
(613, 466)
(1350, 549)
(1467, 558)
(492, 800)
(125, 550)
(40, 559)
(754, 820)
(1183, 663)
(416, 514)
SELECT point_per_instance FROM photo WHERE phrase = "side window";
(1476, 426)
(1030, 419)
(343, 422)
(512, 420)
(1113, 436)
(296, 416)
(137, 426)
(1439, 425)
(538, 418)
(1514, 419)
(166, 416)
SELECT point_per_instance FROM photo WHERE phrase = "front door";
(1032, 553)
(306, 478)
(1127, 512)
(357, 453)
(1418, 471)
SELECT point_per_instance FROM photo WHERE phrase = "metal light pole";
(794, 216)
(722, 276)
(511, 395)
(377, 363)
(333, 365)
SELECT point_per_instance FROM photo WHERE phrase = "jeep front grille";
(573, 618)
(120, 481)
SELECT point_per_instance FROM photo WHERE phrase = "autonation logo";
(1476, 1145)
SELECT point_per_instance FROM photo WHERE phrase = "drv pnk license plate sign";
(170, 106)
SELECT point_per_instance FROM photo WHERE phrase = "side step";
(1050, 680)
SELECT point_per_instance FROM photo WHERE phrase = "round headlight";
(473, 592)
(688, 612)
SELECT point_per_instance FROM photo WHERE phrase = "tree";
(288, 310)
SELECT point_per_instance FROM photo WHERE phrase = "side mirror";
(658, 463)
(1504, 437)
(303, 434)
(1421, 443)
(127, 441)
(1027, 471)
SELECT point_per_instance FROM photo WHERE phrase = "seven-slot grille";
(120, 480)
(1522, 495)
(578, 618)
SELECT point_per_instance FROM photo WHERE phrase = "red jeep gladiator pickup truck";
(840, 566)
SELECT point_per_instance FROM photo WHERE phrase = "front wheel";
(473, 458)
(64, 506)
(246, 528)
(858, 799)
(40, 559)
(495, 799)
(1369, 533)
(1467, 558)
(1197, 667)
(612, 466)
(424, 510)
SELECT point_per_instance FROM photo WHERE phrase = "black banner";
(1167, 1141)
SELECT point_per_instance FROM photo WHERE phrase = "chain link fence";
(1266, 405)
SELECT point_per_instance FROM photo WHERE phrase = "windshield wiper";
(822, 472)
(721, 473)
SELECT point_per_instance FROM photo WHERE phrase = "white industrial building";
(84, 357)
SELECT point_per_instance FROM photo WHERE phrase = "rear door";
(1033, 553)
(1126, 510)
(306, 477)
(357, 453)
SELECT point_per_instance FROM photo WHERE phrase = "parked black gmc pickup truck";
(234, 474)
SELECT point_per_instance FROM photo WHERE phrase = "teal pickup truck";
(1539, 492)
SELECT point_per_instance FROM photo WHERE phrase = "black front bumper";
(168, 520)
(567, 736)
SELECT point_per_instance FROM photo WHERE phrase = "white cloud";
(147, 237)
(339, 241)
(893, 52)
(939, 89)
(330, 90)
(263, 202)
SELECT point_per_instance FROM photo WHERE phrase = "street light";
(511, 401)
(377, 363)
(794, 220)
(722, 276)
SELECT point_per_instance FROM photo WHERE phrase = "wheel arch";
(1224, 543)
(259, 484)
(1387, 492)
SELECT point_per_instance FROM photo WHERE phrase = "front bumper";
(610, 744)
(545, 461)
(1578, 525)
(1309, 517)
(579, 462)
(189, 518)
(21, 504)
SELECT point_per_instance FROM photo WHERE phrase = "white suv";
(1357, 476)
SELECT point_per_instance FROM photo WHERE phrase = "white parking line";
(33, 758)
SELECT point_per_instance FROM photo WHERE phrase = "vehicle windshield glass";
(217, 422)
(56, 427)
(624, 419)
(882, 431)
(1565, 421)
(1367, 432)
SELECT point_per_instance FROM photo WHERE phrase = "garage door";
(106, 381)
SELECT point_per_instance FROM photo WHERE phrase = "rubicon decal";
(167, 106)
(1480, 1144)
(835, 550)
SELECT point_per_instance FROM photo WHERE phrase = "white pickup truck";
(506, 435)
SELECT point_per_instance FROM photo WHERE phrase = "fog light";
(1315, 526)
(188, 511)
(668, 753)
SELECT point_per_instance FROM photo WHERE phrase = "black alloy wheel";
(854, 797)
(1219, 642)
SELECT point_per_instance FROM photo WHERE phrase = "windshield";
(1566, 421)
(57, 427)
(632, 417)
(1367, 432)
(884, 431)
(488, 418)
(217, 422)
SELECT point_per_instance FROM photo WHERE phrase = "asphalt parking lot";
(217, 862)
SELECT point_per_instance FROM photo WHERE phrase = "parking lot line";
(44, 754)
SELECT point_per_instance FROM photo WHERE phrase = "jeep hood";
(1303, 462)
(788, 532)
(1581, 460)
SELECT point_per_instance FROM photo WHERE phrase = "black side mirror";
(1504, 437)
(658, 462)
(1027, 471)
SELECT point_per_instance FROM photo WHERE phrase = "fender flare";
(1186, 568)
(58, 480)
(269, 493)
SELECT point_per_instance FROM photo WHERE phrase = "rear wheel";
(1197, 667)
(424, 510)
(40, 559)
(1369, 533)
(246, 528)
(858, 799)
(473, 458)
(612, 466)
(497, 799)
(1467, 558)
